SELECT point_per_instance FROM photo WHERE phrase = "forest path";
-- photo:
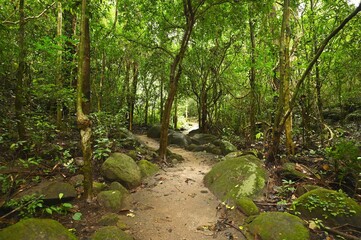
(175, 205)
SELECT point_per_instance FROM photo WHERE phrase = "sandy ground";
(175, 205)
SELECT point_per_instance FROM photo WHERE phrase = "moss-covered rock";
(36, 229)
(211, 148)
(237, 177)
(247, 206)
(289, 171)
(302, 189)
(110, 233)
(277, 226)
(332, 207)
(147, 168)
(98, 187)
(113, 219)
(122, 168)
(226, 146)
(111, 200)
(119, 187)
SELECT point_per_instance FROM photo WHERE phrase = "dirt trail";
(175, 205)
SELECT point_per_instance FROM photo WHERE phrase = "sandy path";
(174, 203)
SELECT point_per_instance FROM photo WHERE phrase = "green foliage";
(30, 205)
(26, 206)
(287, 188)
(345, 156)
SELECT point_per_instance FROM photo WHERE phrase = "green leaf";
(67, 205)
(61, 195)
(77, 216)
(48, 210)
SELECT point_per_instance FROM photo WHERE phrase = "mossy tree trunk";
(83, 101)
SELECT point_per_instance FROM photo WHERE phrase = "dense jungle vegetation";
(282, 78)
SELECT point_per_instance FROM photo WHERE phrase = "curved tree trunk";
(83, 101)
(175, 74)
(281, 118)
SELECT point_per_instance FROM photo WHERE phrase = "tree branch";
(32, 17)
(314, 60)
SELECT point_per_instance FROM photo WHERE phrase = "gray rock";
(154, 131)
(178, 138)
(36, 229)
(122, 168)
(277, 226)
(202, 138)
(52, 191)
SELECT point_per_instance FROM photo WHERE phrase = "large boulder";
(110, 233)
(234, 178)
(111, 200)
(203, 138)
(178, 138)
(277, 226)
(36, 229)
(122, 168)
(147, 168)
(154, 131)
(332, 207)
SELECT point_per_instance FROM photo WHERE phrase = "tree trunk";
(175, 74)
(252, 79)
(281, 118)
(83, 101)
(19, 90)
(59, 62)
(133, 94)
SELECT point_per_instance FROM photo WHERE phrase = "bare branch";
(32, 17)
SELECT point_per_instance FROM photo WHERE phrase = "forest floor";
(174, 204)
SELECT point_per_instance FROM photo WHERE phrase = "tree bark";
(175, 74)
(19, 90)
(83, 101)
(252, 78)
(59, 60)
(133, 94)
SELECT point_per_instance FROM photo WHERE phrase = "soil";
(174, 204)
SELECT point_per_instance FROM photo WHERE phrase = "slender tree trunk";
(161, 97)
(83, 101)
(19, 90)
(133, 94)
(59, 61)
(203, 106)
(281, 118)
(252, 78)
(286, 78)
(101, 82)
(175, 74)
(175, 116)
